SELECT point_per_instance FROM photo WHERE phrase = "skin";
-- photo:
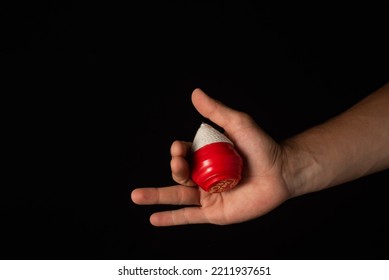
(349, 146)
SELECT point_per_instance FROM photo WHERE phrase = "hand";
(261, 189)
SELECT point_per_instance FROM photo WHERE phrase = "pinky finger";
(183, 216)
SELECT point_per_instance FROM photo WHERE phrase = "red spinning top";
(216, 165)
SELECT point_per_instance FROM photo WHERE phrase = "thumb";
(222, 115)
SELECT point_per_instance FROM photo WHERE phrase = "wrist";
(301, 170)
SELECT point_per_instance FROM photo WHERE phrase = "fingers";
(176, 195)
(179, 165)
(183, 216)
(180, 148)
(217, 112)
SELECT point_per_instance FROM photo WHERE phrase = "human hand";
(261, 189)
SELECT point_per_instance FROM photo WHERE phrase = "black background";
(93, 95)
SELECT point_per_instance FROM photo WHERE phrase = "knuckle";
(243, 118)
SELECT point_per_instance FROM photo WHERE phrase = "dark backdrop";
(94, 94)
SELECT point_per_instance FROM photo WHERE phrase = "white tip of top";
(205, 135)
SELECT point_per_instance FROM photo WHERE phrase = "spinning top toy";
(216, 166)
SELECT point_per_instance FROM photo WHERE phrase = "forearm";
(349, 146)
